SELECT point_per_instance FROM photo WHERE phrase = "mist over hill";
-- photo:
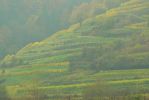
(117, 38)
(25, 21)
(74, 49)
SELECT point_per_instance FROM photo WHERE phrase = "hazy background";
(24, 21)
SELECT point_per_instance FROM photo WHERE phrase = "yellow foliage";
(111, 13)
(137, 46)
(138, 25)
(54, 64)
(35, 43)
(12, 90)
(8, 59)
(73, 27)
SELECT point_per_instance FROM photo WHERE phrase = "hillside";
(25, 21)
(110, 46)
(117, 39)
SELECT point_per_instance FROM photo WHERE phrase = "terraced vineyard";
(65, 84)
(111, 48)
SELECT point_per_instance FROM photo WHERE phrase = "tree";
(100, 89)
(3, 71)
(86, 10)
(33, 91)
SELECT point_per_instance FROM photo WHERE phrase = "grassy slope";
(50, 60)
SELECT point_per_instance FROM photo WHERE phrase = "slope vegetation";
(117, 39)
(71, 60)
